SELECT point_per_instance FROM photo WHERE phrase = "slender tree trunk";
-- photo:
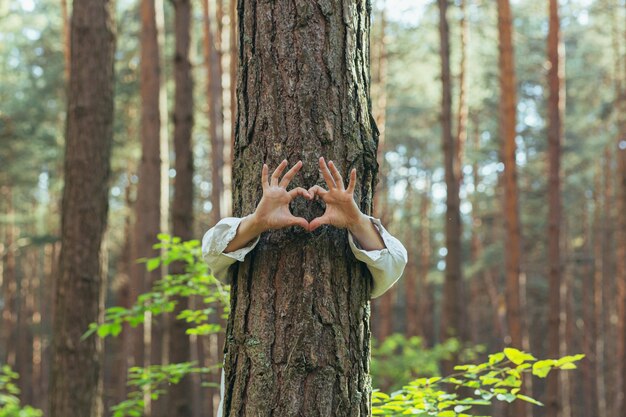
(588, 369)
(620, 236)
(555, 137)
(425, 300)
(599, 295)
(453, 284)
(511, 211)
(180, 395)
(303, 93)
(214, 109)
(9, 282)
(66, 39)
(75, 383)
(411, 317)
(149, 189)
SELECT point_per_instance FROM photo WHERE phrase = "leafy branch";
(500, 378)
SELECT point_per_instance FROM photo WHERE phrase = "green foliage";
(150, 382)
(9, 396)
(498, 379)
(398, 359)
(195, 280)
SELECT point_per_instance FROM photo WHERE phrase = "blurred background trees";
(520, 282)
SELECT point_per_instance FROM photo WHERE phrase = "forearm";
(365, 233)
(248, 230)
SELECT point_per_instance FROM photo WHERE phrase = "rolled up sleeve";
(214, 244)
(386, 265)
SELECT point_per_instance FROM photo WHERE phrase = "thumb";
(299, 221)
(318, 221)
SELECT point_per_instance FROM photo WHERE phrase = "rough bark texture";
(180, 398)
(75, 382)
(511, 211)
(555, 111)
(298, 333)
(453, 284)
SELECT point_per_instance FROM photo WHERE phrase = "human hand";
(273, 209)
(341, 209)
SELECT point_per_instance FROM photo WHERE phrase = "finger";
(279, 170)
(336, 175)
(299, 221)
(300, 191)
(264, 182)
(290, 174)
(352, 184)
(317, 190)
(318, 221)
(326, 174)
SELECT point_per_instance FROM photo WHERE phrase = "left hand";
(341, 209)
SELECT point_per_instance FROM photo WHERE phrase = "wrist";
(256, 224)
(361, 224)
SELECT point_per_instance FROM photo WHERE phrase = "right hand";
(273, 209)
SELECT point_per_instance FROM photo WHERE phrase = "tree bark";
(453, 284)
(180, 396)
(298, 332)
(555, 138)
(149, 188)
(75, 383)
(214, 109)
(508, 103)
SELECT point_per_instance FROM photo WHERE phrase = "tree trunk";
(214, 109)
(453, 284)
(75, 383)
(588, 369)
(555, 137)
(148, 202)
(620, 236)
(425, 301)
(180, 396)
(298, 332)
(511, 211)
(9, 283)
(599, 293)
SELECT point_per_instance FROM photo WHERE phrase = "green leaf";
(528, 399)
(517, 356)
(153, 263)
(542, 368)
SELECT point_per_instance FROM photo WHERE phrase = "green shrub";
(9, 396)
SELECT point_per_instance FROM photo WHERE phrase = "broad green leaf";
(517, 356)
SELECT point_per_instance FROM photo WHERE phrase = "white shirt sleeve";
(386, 265)
(214, 243)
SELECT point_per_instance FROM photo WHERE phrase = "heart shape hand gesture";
(273, 209)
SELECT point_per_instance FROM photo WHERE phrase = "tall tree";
(212, 56)
(149, 189)
(298, 333)
(555, 137)
(452, 292)
(75, 382)
(180, 398)
(508, 117)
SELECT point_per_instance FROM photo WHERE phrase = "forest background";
(411, 199)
